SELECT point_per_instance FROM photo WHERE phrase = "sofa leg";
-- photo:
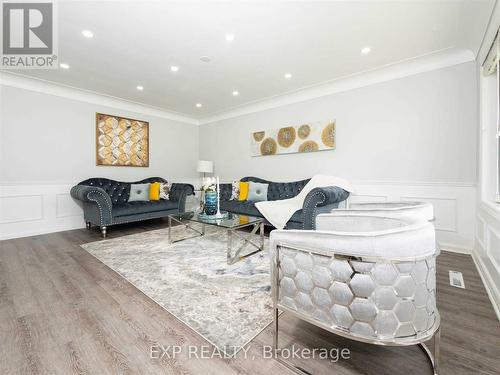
(103, 231)
(89, 225)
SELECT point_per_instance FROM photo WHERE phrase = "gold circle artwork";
(286, 136)
(268, 147)
(328, 135)
(304, 131)
(308, 146)
(259, 136)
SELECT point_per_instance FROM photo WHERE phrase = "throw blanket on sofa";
(279, 212)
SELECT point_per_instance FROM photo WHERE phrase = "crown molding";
(420, 64)
(489, 33)
(87, 96)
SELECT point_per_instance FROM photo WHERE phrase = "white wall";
(48, 145)
(408, 138)
(487, 221)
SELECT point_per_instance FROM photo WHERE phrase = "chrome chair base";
(432, 356)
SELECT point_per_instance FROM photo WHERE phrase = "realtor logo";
(29, 35)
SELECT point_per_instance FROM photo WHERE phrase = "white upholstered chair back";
(372, 279)
(404, 210)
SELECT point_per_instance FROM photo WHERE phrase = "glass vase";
(210, 202)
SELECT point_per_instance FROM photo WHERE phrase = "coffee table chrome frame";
(187, 226)
(231, 259)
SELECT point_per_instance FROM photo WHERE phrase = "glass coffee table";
(231, 224)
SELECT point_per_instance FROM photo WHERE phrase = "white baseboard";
(491, 288)
(45, 230)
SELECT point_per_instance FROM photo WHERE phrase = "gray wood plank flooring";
(64, 312)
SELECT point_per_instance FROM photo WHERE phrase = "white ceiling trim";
(46, 87)
(420, 64)
(416, 65)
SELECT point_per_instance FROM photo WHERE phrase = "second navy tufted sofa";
(319, 200)
(105, 202)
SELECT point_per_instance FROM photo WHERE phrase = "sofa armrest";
(94, 196)
(321, 200)
(179, 192)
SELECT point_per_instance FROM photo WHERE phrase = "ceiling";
(136, 43)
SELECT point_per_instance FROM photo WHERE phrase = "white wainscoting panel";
(35, 209)
(66, 206)
(453, 207)
(27, 210)
(480, 230)
(447, 207)
(21, 208)
(486, 252)
(493, 247)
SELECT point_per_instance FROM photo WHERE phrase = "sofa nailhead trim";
(99, 204)
(307, 203)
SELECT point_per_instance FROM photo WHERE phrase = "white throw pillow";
(139, 193)
(257, 192)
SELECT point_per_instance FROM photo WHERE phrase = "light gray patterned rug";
(227, 305)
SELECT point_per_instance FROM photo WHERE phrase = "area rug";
(226, 304)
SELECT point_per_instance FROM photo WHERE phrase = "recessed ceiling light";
(288, 75)
(140, 88)
(64, 66)
(174, 68)
(229, 37)
(205, 58)
(87, 34)
(366, 50)
(198, 105)
(235, 93)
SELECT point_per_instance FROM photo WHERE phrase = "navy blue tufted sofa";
(105, 202)
(319, 200)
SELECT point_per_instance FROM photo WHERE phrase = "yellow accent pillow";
(244, 191)
(154, 191)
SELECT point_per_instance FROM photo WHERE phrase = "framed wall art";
(121, 141)
(317, 136)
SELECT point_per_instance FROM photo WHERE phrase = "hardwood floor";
(64, 312)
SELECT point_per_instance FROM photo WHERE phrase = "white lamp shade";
(205, 166)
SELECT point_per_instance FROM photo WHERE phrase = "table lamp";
(205, 166)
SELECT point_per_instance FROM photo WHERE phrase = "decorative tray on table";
(222, 215)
